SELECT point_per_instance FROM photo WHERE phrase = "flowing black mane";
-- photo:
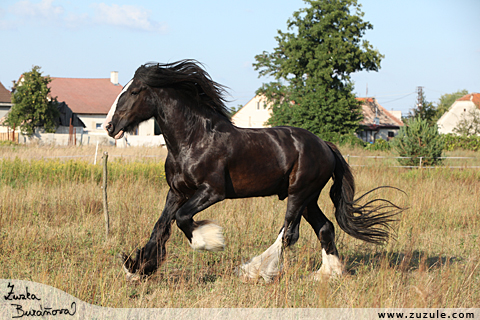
(191, 78)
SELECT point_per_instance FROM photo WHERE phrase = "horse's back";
(268, 161)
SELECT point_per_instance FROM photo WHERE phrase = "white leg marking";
(208, 237)
(331, 266)
(131, 276)
(267, 265)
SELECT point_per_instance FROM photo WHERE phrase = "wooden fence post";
(104, 187)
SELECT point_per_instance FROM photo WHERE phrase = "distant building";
(91, 99)
(378, 123)
(254, 114)
(459, 109)
(5, 102)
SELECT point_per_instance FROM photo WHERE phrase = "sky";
(430, 43)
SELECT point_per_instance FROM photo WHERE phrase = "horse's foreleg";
(202, 235)
(149, 258)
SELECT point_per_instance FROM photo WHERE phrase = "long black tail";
(369, 222)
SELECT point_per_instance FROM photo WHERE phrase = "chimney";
(114, 77)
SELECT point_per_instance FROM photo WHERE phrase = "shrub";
(350, 140)
(454, 142)
(417, 139)
(379, 145)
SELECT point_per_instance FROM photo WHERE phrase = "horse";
(210, 159)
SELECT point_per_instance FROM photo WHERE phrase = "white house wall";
(253, 115)
(147, 128)
(450, 119)
(93, 122)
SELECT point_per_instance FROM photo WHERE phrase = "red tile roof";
(85, 96)
(474, 97)
(5, 95)
(386, 119)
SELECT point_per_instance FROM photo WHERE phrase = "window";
(98, 126)
(391, 134)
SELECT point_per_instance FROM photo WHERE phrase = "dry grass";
(53, 234)
(86, 153)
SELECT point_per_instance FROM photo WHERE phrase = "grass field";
(52, 232)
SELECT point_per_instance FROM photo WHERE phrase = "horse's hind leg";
(265, 265)
(268, 264)
(325, 232)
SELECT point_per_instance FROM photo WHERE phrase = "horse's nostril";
(109, 127)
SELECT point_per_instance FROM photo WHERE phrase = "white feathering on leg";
(331, 266)
(208, 237)
(266, 265)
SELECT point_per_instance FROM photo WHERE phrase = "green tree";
(419, 139)
(424, 110)
(312, 65)
(447, 100)
(32, 106)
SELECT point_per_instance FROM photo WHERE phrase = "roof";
(386, 119)
(5, 95)
(474, 97)
(85, 96)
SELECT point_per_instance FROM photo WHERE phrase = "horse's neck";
(182, 132)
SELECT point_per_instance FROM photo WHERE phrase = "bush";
(350, 140)
(454, 142)
(379, 145)
(417, 139)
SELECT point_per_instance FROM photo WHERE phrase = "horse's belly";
(257, 183)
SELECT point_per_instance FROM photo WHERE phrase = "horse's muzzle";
(110, 127)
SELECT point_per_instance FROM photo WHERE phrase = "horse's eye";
(134, 93)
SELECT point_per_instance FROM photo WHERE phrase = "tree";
(424, 110)
(32, 107)
(447, 100)
(419, 139)
(469, 123)
(312, 66)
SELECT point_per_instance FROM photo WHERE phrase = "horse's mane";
(189, 76)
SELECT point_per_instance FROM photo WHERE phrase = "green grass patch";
(20, 173)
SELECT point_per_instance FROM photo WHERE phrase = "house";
(459, 109)
(91, 99)
(378, 123)
(254, 114)
(5, 104)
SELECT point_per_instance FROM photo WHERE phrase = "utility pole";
(420, 98)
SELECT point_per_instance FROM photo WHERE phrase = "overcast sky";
(434, 44)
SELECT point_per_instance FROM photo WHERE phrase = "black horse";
(209, 160)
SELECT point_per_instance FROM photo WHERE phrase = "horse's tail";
(368, 222)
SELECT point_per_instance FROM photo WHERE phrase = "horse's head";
(131, 107)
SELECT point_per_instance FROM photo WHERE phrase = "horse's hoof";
(132, 277)
(331, 267)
